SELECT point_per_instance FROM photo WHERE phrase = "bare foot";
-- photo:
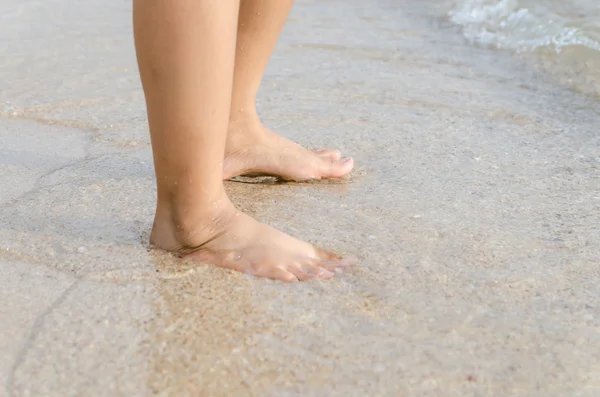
(253, 149)
(231, 239)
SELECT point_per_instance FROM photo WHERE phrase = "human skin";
(186, 51)
(251, 148)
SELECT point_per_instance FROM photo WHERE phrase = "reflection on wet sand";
(205, 324)
(220, 332)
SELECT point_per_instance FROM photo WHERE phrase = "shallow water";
(560, 37)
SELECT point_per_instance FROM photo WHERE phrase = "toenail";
(346, 159)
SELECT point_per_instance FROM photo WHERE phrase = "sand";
(474, 211)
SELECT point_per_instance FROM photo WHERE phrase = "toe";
(332, 154)
(327, 256)
(336, 168)
(278, 273)
(310, 270)
(332, 262)
(302, 272)
(322, 273)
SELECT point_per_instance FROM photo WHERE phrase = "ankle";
(245, 131)
(179, 227)
(243, 112)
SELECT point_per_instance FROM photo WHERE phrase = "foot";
(229, 238)
(254, 150)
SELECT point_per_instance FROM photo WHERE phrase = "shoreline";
(570, 55)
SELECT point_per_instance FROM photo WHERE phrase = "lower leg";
(252, 148)
(259, 25)
(187, 99)
(185, 52)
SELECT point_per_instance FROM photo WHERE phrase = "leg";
(252, 148)
(185, 52)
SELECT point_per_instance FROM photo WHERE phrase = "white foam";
(509, 24)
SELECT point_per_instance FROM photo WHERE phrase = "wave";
(507, 24)
(562, 37)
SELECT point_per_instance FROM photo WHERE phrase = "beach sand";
(474, 210)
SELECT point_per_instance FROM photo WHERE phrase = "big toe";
(332, 262)
(331, 168)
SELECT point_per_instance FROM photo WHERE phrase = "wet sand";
(474, 211)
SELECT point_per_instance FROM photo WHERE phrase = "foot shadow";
(265, 179)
